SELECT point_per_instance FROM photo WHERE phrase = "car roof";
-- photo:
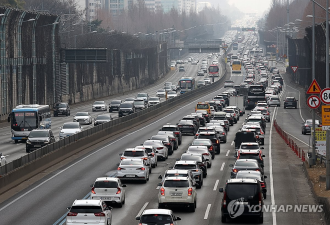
(87, 202)
(141, 160)
(174, 171)
(107, 178)
(249, 143)
(242, 180)
(157, 211)
(185, 162)
(177, 178)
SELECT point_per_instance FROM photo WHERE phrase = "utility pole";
(313, 77)
(288, 21)
(327, 85)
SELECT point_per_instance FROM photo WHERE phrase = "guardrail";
(27, 164)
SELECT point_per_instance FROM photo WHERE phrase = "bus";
(236, 66)
(213, 70)
(235, 46)
(25, 118)
(187, 84)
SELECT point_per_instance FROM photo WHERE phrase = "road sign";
(325, 96)
(325, 128)
(314, 88)
(320, 140)
(313, 101)
(325, 115)
(294, 68)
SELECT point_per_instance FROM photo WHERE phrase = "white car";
(153, 101)
(207, 81)
(172, 94)
(83, 118)
(3, 160)
(157, 216)
(87, 211)
(143, 96)
(133, 169)
(99, 106)
(133, 153)
(109, 189)
(161, 93)
(151, 150)
(162, 150)
(177, 191)
(69, 129)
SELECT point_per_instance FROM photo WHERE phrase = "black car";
(249, 194)
(245, 164)
(249, 174)
(213, 137)
(244, 137)
(201, 118)
(102, 119)
(39, 138)
(61, 108)
(290, 102)
(172, 137)
(307, 126)
(114, 105)
(187, 126)
(201, 161)
(205, 142)
(193, 118)
(175, 129)
(125, 109)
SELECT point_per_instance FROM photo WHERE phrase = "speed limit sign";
(325, 95)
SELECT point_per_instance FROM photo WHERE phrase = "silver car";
(133, 153)
(274, 101)
(161, 93)
(172, 94)
(99, 106)
(162, 150)
(151, 150)
(83, 118)
(143, 96)
(153, 101)
(201, 150)
(133, 169)
(69, 129)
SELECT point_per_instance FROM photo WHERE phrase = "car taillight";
(320, 125)
(206, 153)
(262, 184)
(72, 214)
(145, 158)
(224, 202)
(177, 132)
(162, 191)
(257, 170)
(217, 141)
(206, 115)
(189, 191)
(211, 148)
(257, 136)
(142, 168)
(159, 148)
(99, 214)
(93, 191)
(306, 126)
(223, 133)
(118, 191)
(234, 114)
(235, 170)
(121, 158)
(119, 168)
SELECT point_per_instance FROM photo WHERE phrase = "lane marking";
(216, 185)
(232, 143)
(207, 211)
(142, 209)
(271, 168)
(298, 102)
(227, 152)
(222, 166)
(158, 187)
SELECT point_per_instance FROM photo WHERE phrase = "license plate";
(106, 198)
(130, 175)
(37, 146)
(176, 194)
(186, 126)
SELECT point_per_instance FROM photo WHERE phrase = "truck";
(254, 94)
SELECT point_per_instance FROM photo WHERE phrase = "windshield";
(70, 125)
(34, 134)
(105, 184)
(134, 153)
(213, 69)
(60, 105)
(131, 163)
(236, 191)
(142, 95)
(191, 157)
(202, 106)
(22, 120)
(153, 99)
(125, 105)
(249, 156)
(99, 103)
(245, 163)
(158, 138)
(82, 114)
(185, 166)
(206, 136)
(103, 117)
(138, 102)
(115, 102)
(86, 209)
(248, 175)
(176, 183)
(249, 147)
(161, 90)
(201, 142)
(156, 219)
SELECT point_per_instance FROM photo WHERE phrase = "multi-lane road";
(45, 201)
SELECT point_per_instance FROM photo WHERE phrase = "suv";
(143, 96)
(109, 189)
(39, 138)
(177, 191)
(187, 126)
(158, 217)
(213, 136)
(245, 164)
(229, 83)
(178, 173)
(62, 108)
(251, 151)
(290, 102)
(86, 211)
(139, 104)
(248, 174)
(114, 105)
(175, 129)
(99, 105)
(243, 193)
(134, 153)
(193, 167)
(126, 108)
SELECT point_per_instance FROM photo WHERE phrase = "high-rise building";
(92, 7)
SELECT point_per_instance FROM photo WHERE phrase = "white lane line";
(227, 152)
(222, 166)
(142, 209)
(158, 187)
(298, 102)
(232, 143)
(216, 185)
(271, 168)
(207, 211)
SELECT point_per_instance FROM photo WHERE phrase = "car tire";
(120, 205)
(16, 141)
(209, 165)
(150, 170)
(153, 165)
(223, 219)
(265, 195)
(192, 207)
(261, 219)
(204, 175)
(263, 142)
(110, 110)
(284, 107)
(180, 142)
(295, 107)
(55, 115)
(199, 186)
(160, 206)
(27, 151)
(225, 141)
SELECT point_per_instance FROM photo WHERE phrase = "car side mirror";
(263, 156)
(60, 128)
(178, 218)
(137, 218)
(159, 184)
(231, 165)
(221, 190)
(265, 176)
(262, 148)
(160, 177)
(68, 208)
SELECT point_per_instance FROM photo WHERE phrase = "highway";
(14, 151)
(45, 201)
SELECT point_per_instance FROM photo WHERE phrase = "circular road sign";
(325, 96)
(313, 101)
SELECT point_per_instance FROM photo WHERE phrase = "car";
(3, 160)
(69, 129)
(161, 93)
(39, 138)
(248, 174)
(175, 129)
(264, 111)
(245, 164)
(193, 118)
(220, 129)
(257, 118)
(201, 83)
(187, 126)
(170, 144)
(233, 112)
(161, 149)
(204, 142)
(153, 101)
(200, 116)
(290, 102)
(151, 150)
(133, 169)
(260, 134)
(139, 104)
(178, 173)
(129, 100)
(108, 189)
(307, 126)
(192, 166)
(207, 81)
(100, 119)
(194, 62)
(177, 191)
(204, 68)
(158, 217)
(173, 137)
(89, 211)
(61, 108)
(172, 94)
(200, 73)
(126, 108)
(229, 83)
(181, 69)
(213, 136)
(83, 118)
(251, 150)
(167, 89)
(204, 151)
(198, 157)
(99, 106)
(114, 105)
(143, 96)
(249, 191)
(137, 153)
(168, 84)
